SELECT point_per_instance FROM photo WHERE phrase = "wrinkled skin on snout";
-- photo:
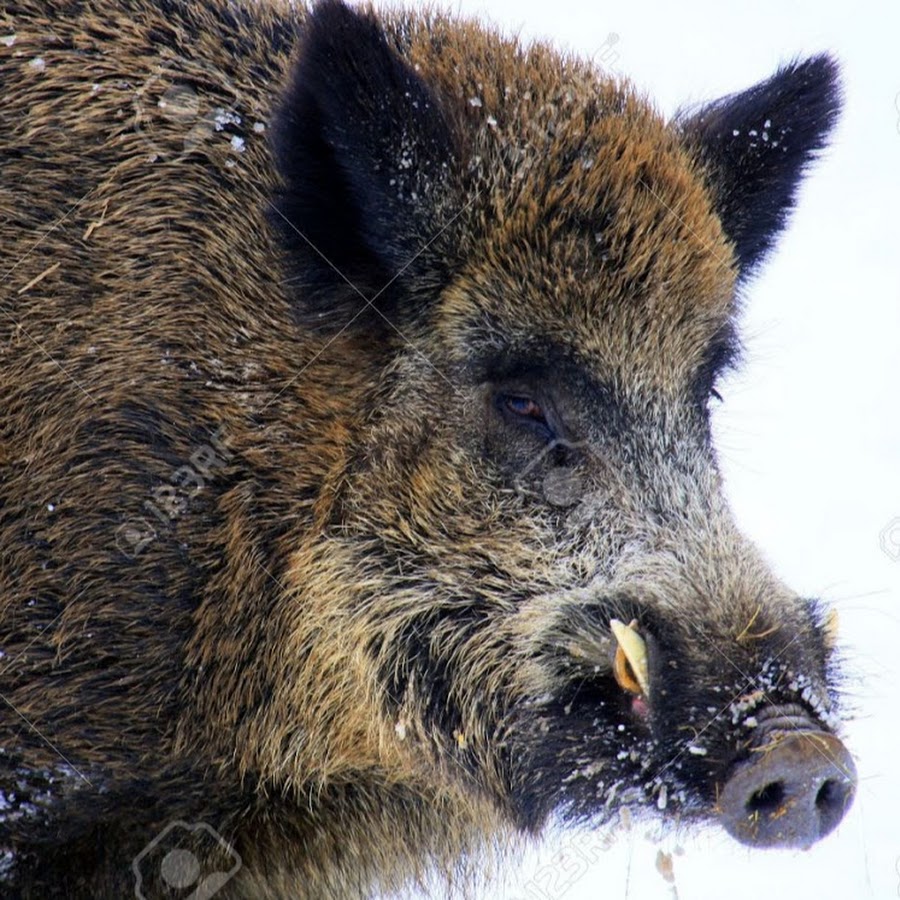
(359, 497)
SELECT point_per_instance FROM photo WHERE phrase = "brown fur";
(233, 671)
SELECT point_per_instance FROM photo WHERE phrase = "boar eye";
(524, 406)
(523, 409)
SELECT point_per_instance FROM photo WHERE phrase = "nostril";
(766, 799)
(832, 801)
(829, 795)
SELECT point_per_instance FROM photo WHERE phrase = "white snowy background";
(809, 433)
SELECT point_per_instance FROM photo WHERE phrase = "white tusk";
(632, 646)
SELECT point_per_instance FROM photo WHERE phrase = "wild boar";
(359, 508)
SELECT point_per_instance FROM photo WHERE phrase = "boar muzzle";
(794, 787)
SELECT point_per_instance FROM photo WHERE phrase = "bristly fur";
(313, 317)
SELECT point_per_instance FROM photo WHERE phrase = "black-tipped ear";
(756, 145)
(364, 153)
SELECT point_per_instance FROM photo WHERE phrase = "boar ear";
(755, 146)
(364, 151)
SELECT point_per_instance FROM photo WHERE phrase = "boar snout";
(794, 788)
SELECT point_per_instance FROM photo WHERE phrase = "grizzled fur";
(285, 375)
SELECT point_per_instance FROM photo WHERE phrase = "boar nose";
(792, 791)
